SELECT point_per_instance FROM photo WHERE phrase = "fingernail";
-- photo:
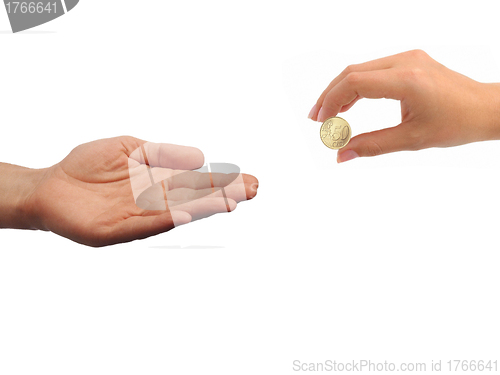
(312, 112)
(251, 192)
(321, 115)
(346, 156)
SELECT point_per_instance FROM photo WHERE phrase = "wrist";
(17, 185)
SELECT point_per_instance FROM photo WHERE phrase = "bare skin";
(439, 107)
(88, 198)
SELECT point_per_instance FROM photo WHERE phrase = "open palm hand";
(91, 196)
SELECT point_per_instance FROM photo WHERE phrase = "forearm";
(17, 184)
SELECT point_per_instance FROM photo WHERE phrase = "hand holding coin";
(439, 107)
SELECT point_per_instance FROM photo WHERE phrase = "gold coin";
(335, 133)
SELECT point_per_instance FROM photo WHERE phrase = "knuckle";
(418, 54)
(349, 69)
(414, 144)
(417, 141)
(353, 78)
(372, 148)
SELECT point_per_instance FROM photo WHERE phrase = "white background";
(389, 258)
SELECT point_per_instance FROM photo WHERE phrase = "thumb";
(403, 137)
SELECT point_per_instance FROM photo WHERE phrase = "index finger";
(168, 155)
(377, 64)
(387, 83)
